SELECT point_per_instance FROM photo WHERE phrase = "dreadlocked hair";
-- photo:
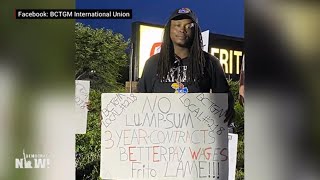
(195, 70)
(198, 62)
(166, 55)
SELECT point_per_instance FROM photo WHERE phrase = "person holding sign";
(182, 66)
(241, 83)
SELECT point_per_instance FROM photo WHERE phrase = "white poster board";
(82, 89)
(233, 146)
(205, 40)
(164, 136)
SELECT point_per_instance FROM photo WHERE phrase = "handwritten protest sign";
(233, 143)
(164, 136)
(82, 90)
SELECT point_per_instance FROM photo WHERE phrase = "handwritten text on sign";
(82, 90)
(164, 136)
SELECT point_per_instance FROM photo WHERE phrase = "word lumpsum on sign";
(164, 136)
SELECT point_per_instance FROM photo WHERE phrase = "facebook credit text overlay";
(73, 14)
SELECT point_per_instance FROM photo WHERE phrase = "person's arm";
(241, 88)
(145, 82)
(142, 83)
(220, 85)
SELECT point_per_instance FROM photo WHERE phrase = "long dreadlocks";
(196, 55)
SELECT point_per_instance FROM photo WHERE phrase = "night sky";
(222, 17)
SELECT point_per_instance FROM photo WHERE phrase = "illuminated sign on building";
(228, 58)
(149, 43)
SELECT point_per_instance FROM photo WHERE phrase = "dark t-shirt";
(214, 77)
